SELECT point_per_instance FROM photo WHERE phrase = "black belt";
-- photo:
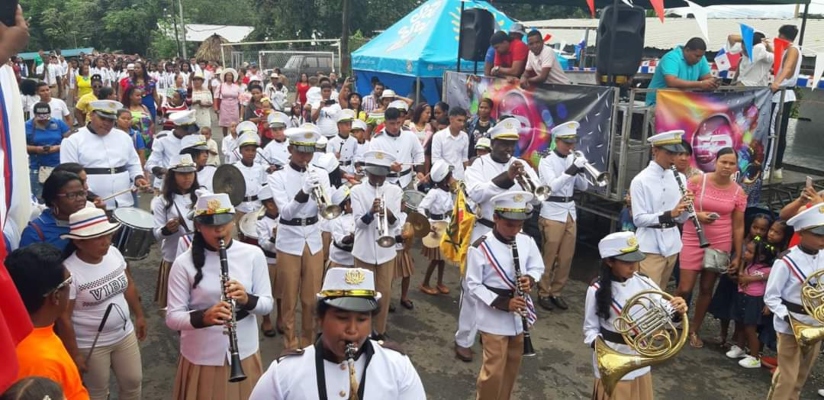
(501, 292)
(611, 336)
(105, 171)
(485, 222)
(270, 254)
(662, 226)
(250, 198)
(299, 221)
(437, 217)
(559, 199)
(345, 163)
(796, 308)
(346, 248)
(399, 174)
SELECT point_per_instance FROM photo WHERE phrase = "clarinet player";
(491, 277)
(658, 207)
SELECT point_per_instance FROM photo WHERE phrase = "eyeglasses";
(65, 283)
(97, 86)
(80, 194)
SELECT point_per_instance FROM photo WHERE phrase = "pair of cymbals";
(433, 239)
(419, 224)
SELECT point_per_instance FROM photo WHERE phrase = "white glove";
(580, 162)
(310, 183)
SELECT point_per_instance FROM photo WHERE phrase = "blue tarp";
(67, 53)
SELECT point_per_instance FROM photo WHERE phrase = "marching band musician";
(276, 152)
(107, 155)
(298, 243)
(343, 362)
(196, 311)
(344, 145)
(343, 231)
(618, 283)
(658, 207)
(438, 205)
(783, 297)
(320, 150)
(327, 163)
(170, 211)
(196, 146)
(404, 147)
(359, 132)
(488, 176)
(267, 228)
(253, 173)
(167, 144)
(491, 277)
(560, 171)
(375, 206)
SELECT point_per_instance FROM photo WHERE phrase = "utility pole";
(345, 61)
(174, 21)
(183, 28)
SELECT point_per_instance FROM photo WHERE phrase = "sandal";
(268, 332)
(428, 290)
(443, 289)
(695, 341)
(407, 304)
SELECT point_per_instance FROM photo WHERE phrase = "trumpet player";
(560, 172)
(404, 145)
(343, 362)
(375, 207)
(784, 298)
(490, 175)
(658, 207)
(298, 243)
(605, 299)
(253, 173)
(501, 289)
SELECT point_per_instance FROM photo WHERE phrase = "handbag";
(715, 260)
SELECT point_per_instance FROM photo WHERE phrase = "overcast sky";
(783, 11)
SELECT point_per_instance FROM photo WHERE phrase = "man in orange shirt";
(43, 284)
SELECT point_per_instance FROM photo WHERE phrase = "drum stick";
(99, 329)
(116, 194)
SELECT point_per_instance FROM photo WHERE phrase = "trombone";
(385, 238)
(326, 209)
(541, 192)
(594, 177)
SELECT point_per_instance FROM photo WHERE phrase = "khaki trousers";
(639, 388)
(123, 358)
(502, 361)
(383, 284)
(658, 268)
(326, 239)
(793, 368)
(559, 248)
(299, 277)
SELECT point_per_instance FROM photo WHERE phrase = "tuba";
(647, 327)
(593, 175)
(540, 192)
(812, 299)
(326, 209)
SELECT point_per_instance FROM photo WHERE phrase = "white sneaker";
(765, 176)
(750, 362)
(777, 174)
(736, 352)
(821, 392)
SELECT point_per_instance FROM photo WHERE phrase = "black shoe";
(545, 303)
(391, 307)
(559, 302)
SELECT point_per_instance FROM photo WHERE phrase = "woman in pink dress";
(228, 107)
(719, 203)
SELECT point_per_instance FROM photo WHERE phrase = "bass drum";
(135, 237)
(248, 229)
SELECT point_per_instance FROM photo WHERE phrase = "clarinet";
(350, 352)
(529, 351)
(702, 239)
(236, 374)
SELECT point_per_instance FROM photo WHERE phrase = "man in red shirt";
(510, 55)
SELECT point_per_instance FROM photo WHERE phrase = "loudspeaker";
(628, 36)
(477, 26)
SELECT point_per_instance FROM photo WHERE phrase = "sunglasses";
(63, 284)
(80, 194)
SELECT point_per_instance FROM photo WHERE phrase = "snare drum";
(135, 235)
(411, 199)
(248, 229)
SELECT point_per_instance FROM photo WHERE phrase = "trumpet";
(326, 209)
(236, 373)
(646, 325)
(541, 192)
(385, 238)
(350, 353)
(812, 299)
(595, 177)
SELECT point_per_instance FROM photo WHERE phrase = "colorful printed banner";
(539, 110)
(714, 120)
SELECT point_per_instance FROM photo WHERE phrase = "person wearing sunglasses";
(43, 284)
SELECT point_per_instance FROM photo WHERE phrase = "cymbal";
(420, 224)
(228, 179)
(433, 239)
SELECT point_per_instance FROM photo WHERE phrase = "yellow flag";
(455, 241)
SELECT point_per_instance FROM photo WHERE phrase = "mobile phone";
(8, 10)
(809, 182)
(329, 102)
(714, 216)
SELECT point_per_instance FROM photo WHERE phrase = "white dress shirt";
(206, 176)
(112, 150)
(162, 215)
(390, 375)
(480, 274)
(208, 345)
(654, 191)
(438, 202)
(345, 149)
(265, 227)
(621, 292)
(366, 246)
(405, 147)
(276, 152)
(784, 284)
(454, 149)
(284, 185)
(228, 148)
(341, 227)
(163, 150)
(755, 70)
(360, 150)
(255, 177)
(551, 170)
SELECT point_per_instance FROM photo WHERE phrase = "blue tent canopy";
(67, 53)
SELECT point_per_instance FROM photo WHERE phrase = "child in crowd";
(343, 231)
(174, 102)
(229, 143)
(777, 236)
(263, 126)
(625, 217)
(404, 266)
(267, 228)
(253, 173)
(214, 158)
(438, 204)
(752, 281)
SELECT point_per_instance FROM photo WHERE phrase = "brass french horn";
(812, 299)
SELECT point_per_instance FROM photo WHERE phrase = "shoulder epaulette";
(395, 346)
(290, 353)
(479, 241)
(782, 254)
(161, 135)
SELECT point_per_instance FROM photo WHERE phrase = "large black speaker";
(477, 26)
(628, 36)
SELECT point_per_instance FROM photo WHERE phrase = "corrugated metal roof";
(675, 31)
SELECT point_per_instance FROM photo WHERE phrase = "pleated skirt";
(432, 254)
(162, 288)
(639, 388)
(207, 382)
(404, 266)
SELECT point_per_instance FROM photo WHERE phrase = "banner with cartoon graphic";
(713, 120)
(540, 109)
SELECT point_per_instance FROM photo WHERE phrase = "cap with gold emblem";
(483, 143)
(378, 162)
(620, 245)
(246, 126)
(248, 139)
(512, 205)
(669, 141)
(302, 139)
(506, 129)
(213, 208)
(566, 132)
(345, 115)
(811, 220)
(350, 289)
(278, 119)
(106, 108)
(193, 142)
(358, 124)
